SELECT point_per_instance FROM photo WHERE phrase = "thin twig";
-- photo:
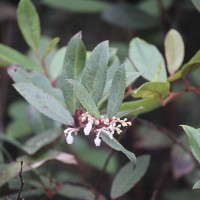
(173, 95)
(161, 179)
(42, 62)
(22, 182)
(170, 135)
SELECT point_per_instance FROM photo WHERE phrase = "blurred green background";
(119, 21)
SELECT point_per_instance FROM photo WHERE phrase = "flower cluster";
(90, 124)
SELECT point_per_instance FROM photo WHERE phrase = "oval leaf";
(94, 74)
(127, 177)
(84, 98)
(44, 102)
(148, 60)
(117, 91)
(174, 50)
(29, 24)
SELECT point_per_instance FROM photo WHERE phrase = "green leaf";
(112, 55)
(175, 76)
(148, 105)
(148, 60)
(29, 24)
(196, 185)
(45, 102)
(122, 49)
(12, 56)
(73, 66)
(82, 6)
(84, 98)
(14, 142)
(39, 122)
(197, 4)
(19, 75)
(113, 143)
(94, 74)
(152, 89)
(29, 163)
(35, 143)
(56, 65)
(26, 193)
(76, 192)
(127, 177)
(112, 68)
(190, 66)
(131, 77)
(151, 6)
(194, 140)
(187, 68)
(51, 45)
(19, 126)
(127, 112)
(128, 16)
(174, 50)
(116, 92)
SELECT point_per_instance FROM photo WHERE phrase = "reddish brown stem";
(173, 95)
(42, 62)
(129, 91)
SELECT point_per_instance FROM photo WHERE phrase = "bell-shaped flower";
(88, 128)
(69, 138)
(97, 141)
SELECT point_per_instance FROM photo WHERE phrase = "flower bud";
(97, 141)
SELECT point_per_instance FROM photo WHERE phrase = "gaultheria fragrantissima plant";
(84, 92)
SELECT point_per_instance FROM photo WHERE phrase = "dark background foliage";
(119, 22)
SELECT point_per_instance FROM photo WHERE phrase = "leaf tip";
(80, 34)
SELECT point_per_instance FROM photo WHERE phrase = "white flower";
(69, 138)
(108, 125)
(97, 141)
(88, 128)
(68, 134)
